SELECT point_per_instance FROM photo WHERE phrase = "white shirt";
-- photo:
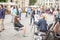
(20, 10)
(11, 9)
(36, 17)
(36, 11)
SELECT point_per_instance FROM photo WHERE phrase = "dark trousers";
(32, 20)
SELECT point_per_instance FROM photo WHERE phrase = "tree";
(32, 2)
(3, 0)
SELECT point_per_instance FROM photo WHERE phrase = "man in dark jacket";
(2, 16)
(42, 25)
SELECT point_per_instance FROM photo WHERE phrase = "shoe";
(17, 29)
(21, 29)
(0, 31)
(36, 33)
(3, 29)
(11, 21)
(25, 36)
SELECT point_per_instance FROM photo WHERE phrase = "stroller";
(42, 35)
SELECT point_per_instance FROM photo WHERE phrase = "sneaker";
(17, 29)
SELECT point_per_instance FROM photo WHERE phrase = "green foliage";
(3, 0)
(32, 2)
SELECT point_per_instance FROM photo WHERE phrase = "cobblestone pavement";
(10, 34)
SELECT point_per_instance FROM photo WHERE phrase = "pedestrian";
(36, 11)
(11, 11)
(26, 12)
(14, 13)
(39, 11)
(2, 17)
(29, 10)
(20, 11)
(32, 16)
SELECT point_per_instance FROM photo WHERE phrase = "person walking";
(32, 15)
(29, 10)
(20, 11)
(26, 12)
(11, 11)
(38, 10)
(14, 13)
(2, 17)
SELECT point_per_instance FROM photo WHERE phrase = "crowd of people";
(36, 17)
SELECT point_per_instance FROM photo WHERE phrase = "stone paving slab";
(10, 34)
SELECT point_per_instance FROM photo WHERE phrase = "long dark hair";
(15, 19)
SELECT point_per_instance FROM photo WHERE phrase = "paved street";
(10, 34)
(49, 8)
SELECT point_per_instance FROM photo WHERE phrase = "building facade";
(49, 3)
(41, 2)
(57, 2)
(21, 3)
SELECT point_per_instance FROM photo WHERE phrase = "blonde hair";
(44, 16)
